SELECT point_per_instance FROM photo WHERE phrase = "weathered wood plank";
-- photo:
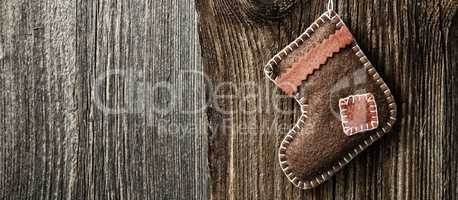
(153, 149)
(406, 40)
(450, 149)
(39, 127)
(84, 112)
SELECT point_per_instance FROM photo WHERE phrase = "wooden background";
(412, 43)
(86, 110)
(63, 61)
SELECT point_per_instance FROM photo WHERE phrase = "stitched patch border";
(351, 125)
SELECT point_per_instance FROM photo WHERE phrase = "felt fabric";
(317, 146)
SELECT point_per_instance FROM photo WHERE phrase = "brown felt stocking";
(346, 106)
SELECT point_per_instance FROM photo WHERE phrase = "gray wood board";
(95, 102)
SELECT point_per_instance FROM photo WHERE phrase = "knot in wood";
(267, 9)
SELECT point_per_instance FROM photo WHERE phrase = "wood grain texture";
(450, 150)
(39, 103)
(413, 46)
(86, 110)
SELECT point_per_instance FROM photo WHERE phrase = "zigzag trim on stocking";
(313, 60)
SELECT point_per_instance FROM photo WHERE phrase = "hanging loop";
(330, 7)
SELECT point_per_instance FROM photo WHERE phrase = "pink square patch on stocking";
(358, 113)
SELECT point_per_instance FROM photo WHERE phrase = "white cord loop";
(330, 7)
